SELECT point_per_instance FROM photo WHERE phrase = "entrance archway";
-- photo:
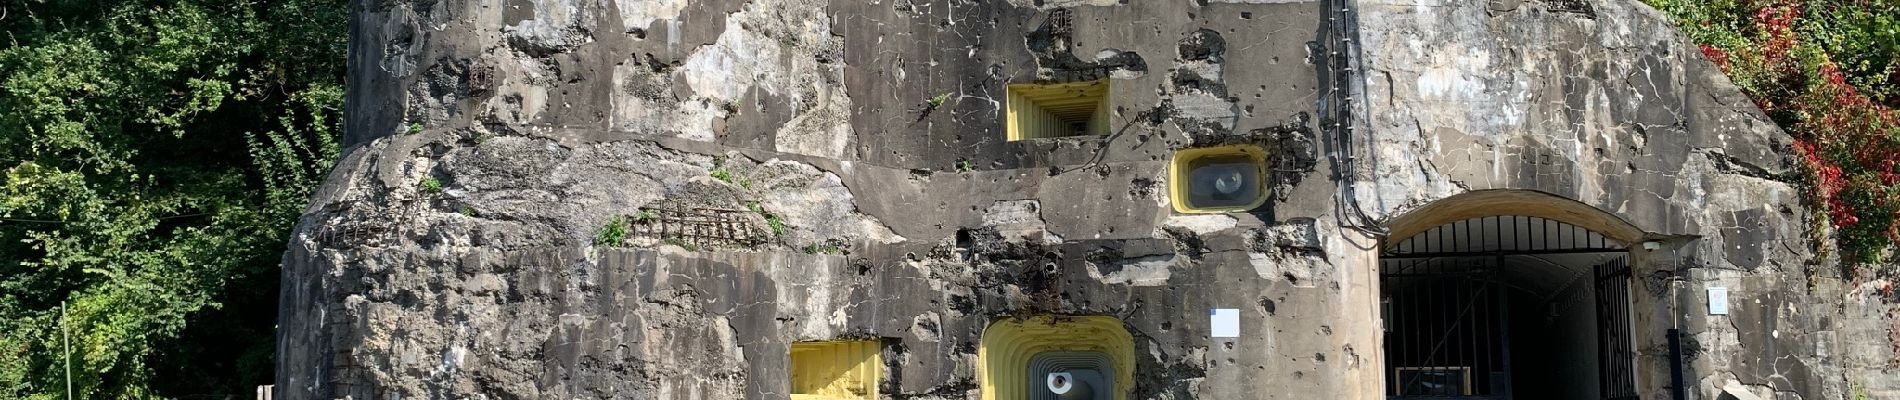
(1506, 307)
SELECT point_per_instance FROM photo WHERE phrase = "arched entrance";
(1506, 307)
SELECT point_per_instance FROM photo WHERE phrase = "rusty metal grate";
(363, 223)
(698, 226)
(480, 79)
(1573, 6)
(1060, 22)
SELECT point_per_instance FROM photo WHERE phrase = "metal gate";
(1616, 358)
(1447, 329)
(1447, 313)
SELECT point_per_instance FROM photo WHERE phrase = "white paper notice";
(1226, 323)
(1718, 301)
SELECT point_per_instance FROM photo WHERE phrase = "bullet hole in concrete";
(1204, 44)
(1142, 188)
(963, 242)
(1268, 306)
(962, 304)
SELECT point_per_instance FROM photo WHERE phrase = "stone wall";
(862, 148)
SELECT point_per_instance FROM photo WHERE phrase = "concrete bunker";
(1056, 357)
(1510, 305)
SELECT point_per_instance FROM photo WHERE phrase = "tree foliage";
(155, 154)
(1828, 71)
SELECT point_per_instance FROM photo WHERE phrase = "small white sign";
(1718, 301)
(1225, 323)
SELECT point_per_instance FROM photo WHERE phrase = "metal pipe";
(1675, 365)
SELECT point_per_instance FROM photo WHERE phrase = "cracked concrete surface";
(870, 210)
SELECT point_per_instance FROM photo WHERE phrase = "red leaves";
(1828, 184)
(1776, 25)
(1720, 57)
(1848, 143)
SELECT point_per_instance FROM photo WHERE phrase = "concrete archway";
(1503, 294)
(1484, 203)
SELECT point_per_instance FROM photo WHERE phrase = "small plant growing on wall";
(824, 248)
(774, 221)
(613, 233)
(723, 174)
(932, 104)
(431, 185)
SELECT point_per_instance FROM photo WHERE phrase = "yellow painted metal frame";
(1177, 175)
(1003, 354)
(840, 370)
(1035, 111)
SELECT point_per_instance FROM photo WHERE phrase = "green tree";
(155, 154)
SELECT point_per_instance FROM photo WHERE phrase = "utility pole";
(66, 339)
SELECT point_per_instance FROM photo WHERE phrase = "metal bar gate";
(1616, 357)
(1447, 306)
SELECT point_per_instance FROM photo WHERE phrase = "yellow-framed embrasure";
(1035, 111)
(1178, 176)
(1002, 356)
(836, 370)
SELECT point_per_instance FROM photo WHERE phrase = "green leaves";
(154, 155)
(1823, 70)
(613, 234)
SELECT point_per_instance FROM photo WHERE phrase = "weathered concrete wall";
(1604, 103)
(545, 119)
